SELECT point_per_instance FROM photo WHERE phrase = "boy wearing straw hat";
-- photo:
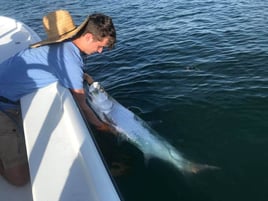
(59, 58)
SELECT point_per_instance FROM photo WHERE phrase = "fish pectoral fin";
(109, 121)
(147, 158)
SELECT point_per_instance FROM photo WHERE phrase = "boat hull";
(65, 163)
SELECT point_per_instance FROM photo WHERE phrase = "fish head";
(95, 89)
(99, 98)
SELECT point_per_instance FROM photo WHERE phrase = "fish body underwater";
(136, 131)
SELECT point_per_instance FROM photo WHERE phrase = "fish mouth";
(99, 98)
(94, 88)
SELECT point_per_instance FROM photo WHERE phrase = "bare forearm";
(92, 118)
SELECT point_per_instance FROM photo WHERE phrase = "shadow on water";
(150, 179)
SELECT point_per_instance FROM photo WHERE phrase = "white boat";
(65, 163)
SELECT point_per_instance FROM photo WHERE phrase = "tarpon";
(136, 131)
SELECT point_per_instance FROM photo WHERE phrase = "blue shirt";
(34, 68)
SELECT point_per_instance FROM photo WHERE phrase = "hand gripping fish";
(136, 131)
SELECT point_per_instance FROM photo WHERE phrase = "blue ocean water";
(198, 72)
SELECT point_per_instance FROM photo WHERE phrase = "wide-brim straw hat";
(59, 26)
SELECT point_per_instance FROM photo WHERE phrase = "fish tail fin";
(195, 168)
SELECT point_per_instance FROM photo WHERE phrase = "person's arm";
(88, 78)
(80, 98)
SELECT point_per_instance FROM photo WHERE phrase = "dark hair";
(100, 26)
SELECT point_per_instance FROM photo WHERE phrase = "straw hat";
(59, 26)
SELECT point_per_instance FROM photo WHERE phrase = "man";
(56, 59)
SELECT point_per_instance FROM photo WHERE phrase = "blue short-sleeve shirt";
(35, 68)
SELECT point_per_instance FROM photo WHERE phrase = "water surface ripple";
(197, 72)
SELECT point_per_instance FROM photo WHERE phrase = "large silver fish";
(136, 131)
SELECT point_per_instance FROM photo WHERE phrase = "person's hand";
(107, 128)
(88, 78)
